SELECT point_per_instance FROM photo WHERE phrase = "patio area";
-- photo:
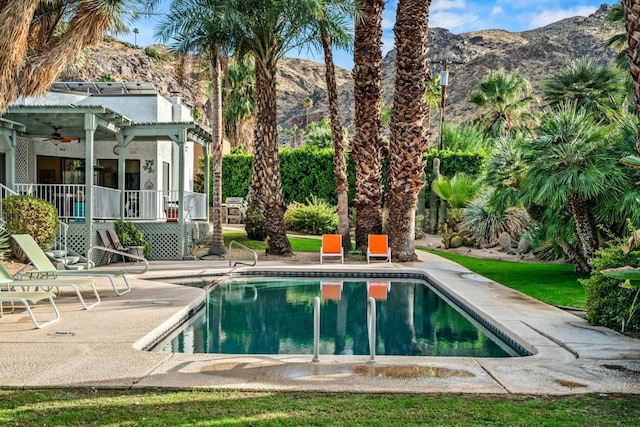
(102, 347)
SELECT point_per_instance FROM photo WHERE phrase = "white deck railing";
(147, 205)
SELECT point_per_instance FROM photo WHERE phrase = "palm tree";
(599, 88)
(572, 166)
(333, 32)
(135, 37)
(307, 103)
(367, 145)
(194, 25)
(408, 132)
(632, 26)
(267, 29)
(239, 103)
(38, 39)
(504, 101)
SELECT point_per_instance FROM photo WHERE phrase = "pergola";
(94, 124)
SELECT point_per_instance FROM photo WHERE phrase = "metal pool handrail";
(371, 326)
(241, 246)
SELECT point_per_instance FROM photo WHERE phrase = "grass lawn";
(555, 284)
(163, 407)
(298, 244)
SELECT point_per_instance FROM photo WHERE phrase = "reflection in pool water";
(267, 316)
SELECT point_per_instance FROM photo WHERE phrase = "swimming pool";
(265, 315)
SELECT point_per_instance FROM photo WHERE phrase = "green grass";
(298, 244)
(555, 284)
(163, 407)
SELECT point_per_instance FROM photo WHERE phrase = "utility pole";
(444, 81)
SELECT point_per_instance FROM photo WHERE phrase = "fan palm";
(38, 39)
(599, 88)
(504, 100)
(195, 25)
(573, 165)
(239, 103)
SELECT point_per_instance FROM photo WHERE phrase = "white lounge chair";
(27, 298)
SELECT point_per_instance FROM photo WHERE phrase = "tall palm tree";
(267, 29)
(504, 101)
(195, 25)
(408, 132)
(367, 148)
(38, 39)
(632, 26)
(239, 103)
(572, 166)
(599, 88)
(333, 31)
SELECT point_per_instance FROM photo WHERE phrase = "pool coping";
(99, 347)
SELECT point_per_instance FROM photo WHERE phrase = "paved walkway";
(101, 347)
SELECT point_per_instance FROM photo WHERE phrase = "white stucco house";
(105, 150)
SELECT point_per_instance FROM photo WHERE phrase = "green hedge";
(307, 172)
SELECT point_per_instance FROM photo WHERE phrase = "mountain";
(534, 54)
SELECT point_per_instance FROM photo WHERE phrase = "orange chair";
(331, 290)
(378, 290)
(378, 247)
(331, 247)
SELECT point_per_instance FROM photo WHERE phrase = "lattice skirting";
(168, 241)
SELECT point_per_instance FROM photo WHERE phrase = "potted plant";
(132, 237)
(172, 213)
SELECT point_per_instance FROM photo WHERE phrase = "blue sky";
(458, 16)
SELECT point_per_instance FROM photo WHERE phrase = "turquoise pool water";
(275, 316)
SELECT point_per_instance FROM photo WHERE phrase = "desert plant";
(484, 224)
(130, 235)
(314, 217)
(31, 215)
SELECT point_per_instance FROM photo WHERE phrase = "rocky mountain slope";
(534, 54)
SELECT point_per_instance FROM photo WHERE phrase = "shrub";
(31, 215)
(130, 235)
(315, 217)
(254, 224)
(106, 77)
(607, 303)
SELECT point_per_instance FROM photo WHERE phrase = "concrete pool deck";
(101, 347)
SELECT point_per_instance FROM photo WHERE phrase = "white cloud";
(549, 16)
(455, 22)
(440, 5)
(497, 10)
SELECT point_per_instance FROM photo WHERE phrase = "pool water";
(275, 316)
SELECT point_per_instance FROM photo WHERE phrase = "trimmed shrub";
(315, 217)
(31, 215)
(130, 235)
(607, 303)
(254, 224)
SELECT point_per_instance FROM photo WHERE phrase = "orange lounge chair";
(378, 290)
(331, 247)
(331, 290)
(378, 247)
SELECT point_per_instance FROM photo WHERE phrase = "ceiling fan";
(56, 136)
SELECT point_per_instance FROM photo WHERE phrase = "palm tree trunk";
(632, 25)
(266, 166)
(408, 133)
(584, 227)
(339, 160)
(217, 241)
(366, 150)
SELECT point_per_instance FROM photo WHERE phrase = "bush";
(314, 217)
(607, 303)
(130, 235)
(254, 224)
(31, 215)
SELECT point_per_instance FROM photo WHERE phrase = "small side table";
(357, 253)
